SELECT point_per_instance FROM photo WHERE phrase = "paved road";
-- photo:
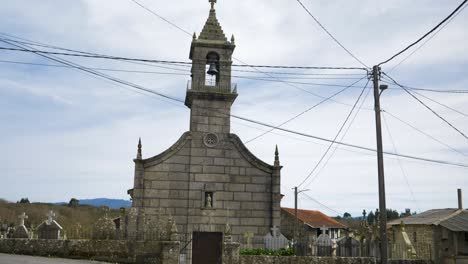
(16, 259)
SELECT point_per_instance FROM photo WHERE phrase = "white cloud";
(89, 133)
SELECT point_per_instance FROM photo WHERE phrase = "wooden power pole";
(380, 162)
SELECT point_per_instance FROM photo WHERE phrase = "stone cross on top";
(274, 231)
(22, 217)
(50, 217)
(324, 230)
(213, 2)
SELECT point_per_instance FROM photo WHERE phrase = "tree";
(346, 215)
(371, 218)
(74, 203)
(392, 214)
(24, 201)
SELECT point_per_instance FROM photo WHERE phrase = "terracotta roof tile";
(315, 218)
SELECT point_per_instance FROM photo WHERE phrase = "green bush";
(268, 252)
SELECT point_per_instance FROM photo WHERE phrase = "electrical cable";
(424, 133)
(403, 172)
(174, 62)
(78, 67)
(329, 34)
(305, 111)
(336, 137)
(426, 41)
(441, 104)
(321, 204)
(342, 137)
(425, 35)
(430, 109)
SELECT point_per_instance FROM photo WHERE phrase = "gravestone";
(348, 247)
(275, 240)
(49, 229)
(104, 229)
(324, 244)
(21, 231)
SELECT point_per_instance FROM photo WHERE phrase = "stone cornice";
(250, 157)
(169, 152)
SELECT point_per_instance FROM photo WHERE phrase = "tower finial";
(139, 156)
(213, 2)
(277, 162)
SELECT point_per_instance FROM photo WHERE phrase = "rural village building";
(208, 182)
(311, 224)
(439, 234)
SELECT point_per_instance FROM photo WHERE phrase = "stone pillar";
(231, 252)
(170, 253)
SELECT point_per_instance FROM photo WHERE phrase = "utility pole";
(295, 214)
(382, 204)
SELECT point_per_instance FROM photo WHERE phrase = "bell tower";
(210, 93)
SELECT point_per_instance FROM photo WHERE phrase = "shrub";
(268, 252)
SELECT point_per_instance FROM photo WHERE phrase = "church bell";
(212, 70)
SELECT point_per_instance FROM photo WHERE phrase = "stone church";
(208, 182)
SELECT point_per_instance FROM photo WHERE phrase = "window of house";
(415, 237)
(466, 237)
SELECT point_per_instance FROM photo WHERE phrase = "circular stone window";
(210, 140)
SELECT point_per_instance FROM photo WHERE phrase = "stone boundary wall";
(103, 250)
(320, 260)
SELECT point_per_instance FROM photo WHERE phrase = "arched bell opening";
(212, 69)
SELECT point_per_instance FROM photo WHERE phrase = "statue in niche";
(208, 200)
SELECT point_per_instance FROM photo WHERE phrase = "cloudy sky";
(68, 134)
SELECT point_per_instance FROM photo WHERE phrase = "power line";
(329, 34)
(343, 136)
(441, 104)
(185, 74)
(430, 109)
(321, 204)
(425, 35)
(154, 13)
(336, 137)
(305, 111)
(175, 62)
(426, 89)
(424, 133)
(138, 87)
(403, 172)
(427, 40)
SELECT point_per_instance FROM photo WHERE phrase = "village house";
(208, 182)
(439, 234)
(311, 224)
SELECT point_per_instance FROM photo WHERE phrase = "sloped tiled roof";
(431, 217)
(212, 29)
(315, 219)
(457, 223)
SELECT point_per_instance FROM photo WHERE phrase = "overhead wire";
(403, 172)
(451, 91)
(305, 111)
(441, 104)
(336, 137)
(329, 34)
(187, 73)
(255, 67)
(319, 203)
(426, 41)
(424, 133)
(342, 137)
(429, 108)
(425, 35)
(138, 87)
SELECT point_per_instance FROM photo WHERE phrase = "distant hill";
(111, 203)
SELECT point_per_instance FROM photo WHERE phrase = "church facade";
(208, 182)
